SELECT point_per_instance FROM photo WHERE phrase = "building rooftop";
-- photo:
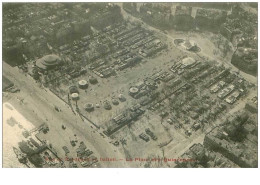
(48, 61)
(209, 13)
(245, 150)
(183, 10)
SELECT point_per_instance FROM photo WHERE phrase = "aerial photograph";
(129, 85)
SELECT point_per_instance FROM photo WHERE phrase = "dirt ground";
(119, 84)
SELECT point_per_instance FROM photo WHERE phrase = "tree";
(37, 160)
(35, 74)
(25, 148)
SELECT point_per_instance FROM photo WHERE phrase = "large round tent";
(89, 107)
(75, 96)
(73, 89)
(83, 84)
(93, 80)
(133, 90)
(48, 62)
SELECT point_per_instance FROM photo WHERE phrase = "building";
(245, 59)
(182, 17)
(210, 18)
(48, 62)
(223, 139)
(198, 156)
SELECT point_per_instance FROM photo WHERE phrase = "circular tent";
(133, 90)
(75, 96)
(107, 105)
(89, 107)
(83, 84)
(93, 80)
(121, 97)
(48, 62)
(115, 102)
(73, 89)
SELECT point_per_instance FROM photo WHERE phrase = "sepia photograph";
(130, 84)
